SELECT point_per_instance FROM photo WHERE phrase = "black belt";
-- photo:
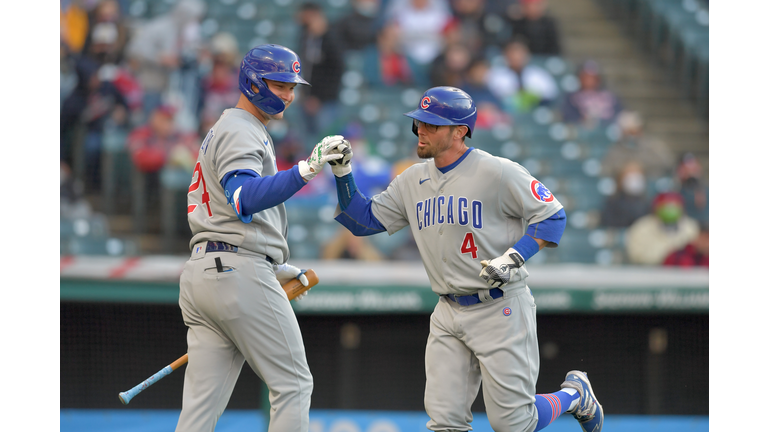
(468, 300)
(217, 246)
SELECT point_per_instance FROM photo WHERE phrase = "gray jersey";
(475, 211)
(238, 141)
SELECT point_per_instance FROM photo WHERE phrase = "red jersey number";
(197, 180)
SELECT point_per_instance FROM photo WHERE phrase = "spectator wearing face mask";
(650, 239)
(634, 145)
(691, 184)
(107, 34)
(629, 202)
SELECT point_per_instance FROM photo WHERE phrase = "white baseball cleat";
(588, 411)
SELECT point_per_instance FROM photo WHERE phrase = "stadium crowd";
(149, 86)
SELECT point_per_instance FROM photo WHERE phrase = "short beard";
(433, 150)
(424, 153)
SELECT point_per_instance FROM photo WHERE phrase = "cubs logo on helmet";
(540, 192)
(445, 106)
(296, 66)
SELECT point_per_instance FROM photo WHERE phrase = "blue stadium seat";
(98, 246)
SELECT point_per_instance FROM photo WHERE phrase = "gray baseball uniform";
(474, 211)
(232, 303)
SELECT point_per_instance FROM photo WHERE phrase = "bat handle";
(126, 396)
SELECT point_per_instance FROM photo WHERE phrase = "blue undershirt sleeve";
(550, 229)
(260, 193)
(356, 214)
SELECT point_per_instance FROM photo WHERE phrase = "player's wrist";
(516, 258)
(341, 170)
(305, 171)
(526, 247)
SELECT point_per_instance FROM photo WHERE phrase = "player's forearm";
(260, 193)
(358, 216)
(541, 234)
(345, 190)
(266, 192)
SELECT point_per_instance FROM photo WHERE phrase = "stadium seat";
(692, 45)
(95, 226)
(99, 246)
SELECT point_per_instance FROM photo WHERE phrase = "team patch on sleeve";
(540, 192)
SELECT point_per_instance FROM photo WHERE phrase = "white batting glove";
(321, 154)
(286, 272)
(343, 166)
(499, 271)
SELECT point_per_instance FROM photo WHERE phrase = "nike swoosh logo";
(422, 181)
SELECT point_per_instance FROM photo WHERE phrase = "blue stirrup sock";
(552, 405)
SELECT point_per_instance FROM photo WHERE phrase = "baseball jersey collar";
(447, 168)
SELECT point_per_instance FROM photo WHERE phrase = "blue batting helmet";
(444, 106)
(273, 62)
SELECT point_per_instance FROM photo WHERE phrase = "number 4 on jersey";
(468, 245)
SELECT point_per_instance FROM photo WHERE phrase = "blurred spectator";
(489, 108)
(73, 24)
(449, 68)
(652, 154)
(288, 151)
(322, 66)
(630, 201)
(67, 73)
(421, 24)
(107, 35)
(372, 175)
(72, 202)
(385, 65)
(160, 46)
(692, 188)
(94, 103)
(530, 20)
(694, 254)
(358, 28)
(654, 236)
(477, 27)
(219, 88)
(158, 142)
(518, 84)
(591, 104)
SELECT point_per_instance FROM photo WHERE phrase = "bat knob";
(124, 398)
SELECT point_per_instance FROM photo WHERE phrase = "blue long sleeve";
(260, 193)
(356, 214)
(550, 229)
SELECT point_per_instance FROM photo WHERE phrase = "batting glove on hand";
(499, 271)
(286, 272)
(321, 154)
(343, 166)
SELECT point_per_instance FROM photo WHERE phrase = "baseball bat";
(293, 288)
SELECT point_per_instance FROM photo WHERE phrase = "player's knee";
(513, 420)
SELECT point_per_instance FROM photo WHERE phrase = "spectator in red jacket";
(159, 142)
(694, 254)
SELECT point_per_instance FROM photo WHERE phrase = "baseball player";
(476, 219)
(230, 290)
